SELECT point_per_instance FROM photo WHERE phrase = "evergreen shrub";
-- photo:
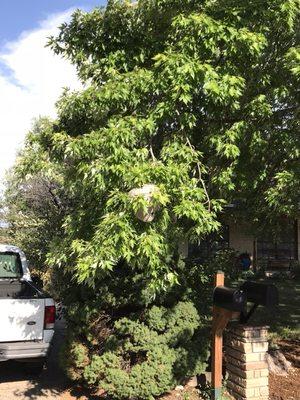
(145, 354)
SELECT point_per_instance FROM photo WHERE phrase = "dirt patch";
(287, 387)
(186, 394)
(79, 393)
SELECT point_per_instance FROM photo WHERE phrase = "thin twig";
(200, 176)
(204, 187)
(151, 152)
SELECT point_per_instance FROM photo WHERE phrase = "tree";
(200, 99)
(4, 237)
(34, 203)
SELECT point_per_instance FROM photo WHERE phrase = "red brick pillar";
(248, 374)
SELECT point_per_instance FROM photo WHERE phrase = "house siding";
(243, 242)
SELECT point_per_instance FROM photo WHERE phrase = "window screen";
(283, 247)
(205, 248)
(10, 265)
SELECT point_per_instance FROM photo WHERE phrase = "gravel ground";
(17, 384)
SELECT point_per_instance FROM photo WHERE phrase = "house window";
(282, 247)
(207, 247)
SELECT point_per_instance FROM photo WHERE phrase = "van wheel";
(35, 367)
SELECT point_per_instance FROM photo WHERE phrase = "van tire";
(35, 367)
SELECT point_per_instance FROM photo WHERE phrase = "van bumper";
(23, 350)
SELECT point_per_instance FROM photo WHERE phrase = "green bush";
(145, 354)
(134, 349)
(74, 358)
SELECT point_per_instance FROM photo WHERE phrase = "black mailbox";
(261, 293)
(230, 299)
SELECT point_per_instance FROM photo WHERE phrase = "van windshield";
(10, 265)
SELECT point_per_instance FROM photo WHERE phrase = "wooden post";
(217, 344)
(221, 317)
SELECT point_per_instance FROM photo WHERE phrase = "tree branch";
(200, 176)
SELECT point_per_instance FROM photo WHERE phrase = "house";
(277, 253)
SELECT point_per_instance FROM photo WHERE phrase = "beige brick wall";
(247, 370)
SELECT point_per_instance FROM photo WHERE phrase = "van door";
(21, 319)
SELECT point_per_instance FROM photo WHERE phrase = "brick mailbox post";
(246, 346)
(248, 374)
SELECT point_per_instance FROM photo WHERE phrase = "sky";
(31, 76)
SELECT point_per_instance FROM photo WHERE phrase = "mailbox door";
(229, 299)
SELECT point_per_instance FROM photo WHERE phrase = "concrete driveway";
(17, 383)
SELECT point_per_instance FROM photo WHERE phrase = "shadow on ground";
(17, 382)
(287, 314)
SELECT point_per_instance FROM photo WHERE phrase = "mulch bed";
(281, 387)
(287, 387)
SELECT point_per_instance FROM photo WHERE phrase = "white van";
(27, 315)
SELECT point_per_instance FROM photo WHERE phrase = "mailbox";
(261, 293)
(230, 299)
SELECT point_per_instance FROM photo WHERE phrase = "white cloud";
(31, 80)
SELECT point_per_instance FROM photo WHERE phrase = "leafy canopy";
(200, 99)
